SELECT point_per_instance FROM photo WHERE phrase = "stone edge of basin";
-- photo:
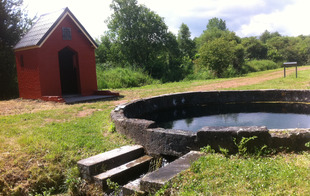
(178, 142)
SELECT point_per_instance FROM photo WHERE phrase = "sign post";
(290, 64)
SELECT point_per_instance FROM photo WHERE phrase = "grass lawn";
(39, 148)
(214, 174)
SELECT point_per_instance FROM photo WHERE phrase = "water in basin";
(271, 115)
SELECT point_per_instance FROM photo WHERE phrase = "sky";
(245, 17)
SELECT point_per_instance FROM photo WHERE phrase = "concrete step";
(97, 164)
(133, 188)
(152, 182)
(83, 99)
(124, 173)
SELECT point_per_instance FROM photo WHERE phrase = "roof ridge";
(55, 11)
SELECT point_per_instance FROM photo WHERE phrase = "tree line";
(139, 38)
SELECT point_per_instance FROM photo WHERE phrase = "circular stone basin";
(151, 122)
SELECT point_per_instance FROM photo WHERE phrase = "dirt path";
(19, 106)
(237, 82)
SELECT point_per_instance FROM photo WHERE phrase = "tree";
(219, 49)
(141, 39)
(141, 33)
(108, 51)
(215, 23)
(186, 44)
(254, 48)
(297, 49)
(219, 54)
(281, 49)
(13, 24)
(267, 35)
(216, 28)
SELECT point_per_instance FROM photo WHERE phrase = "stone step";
(97, 164)
(124, 173)
(133, 188)
(152, 182)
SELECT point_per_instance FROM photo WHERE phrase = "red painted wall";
(45, 79)
(28, 74)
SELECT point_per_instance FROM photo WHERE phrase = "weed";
(307, 144)
(262, 151)
(242, 145)
(114, 186)
(112, 128)
(207, 149)
(47, 192)
(155, 164)
(73, 181)
(164, 190)
(224, 151)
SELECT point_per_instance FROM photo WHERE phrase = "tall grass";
(261, 65)
(122, 78)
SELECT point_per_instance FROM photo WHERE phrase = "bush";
(201, 74)
(261, 65)
(122, 78)
(230, 72)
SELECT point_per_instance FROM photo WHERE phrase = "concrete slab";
(72, 99)
(99, 163)
(152, 182)
(133, 188)
(124, 173)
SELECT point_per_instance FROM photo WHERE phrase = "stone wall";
(127, 119)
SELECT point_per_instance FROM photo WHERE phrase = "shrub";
(230, 72)
(201, 74)
(261, 65)
(122, 78)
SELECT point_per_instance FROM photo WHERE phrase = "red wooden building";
(56, 58)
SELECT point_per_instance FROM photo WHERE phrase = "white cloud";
(196, 13)
(246, 18)
(291, 21)
(91, 14)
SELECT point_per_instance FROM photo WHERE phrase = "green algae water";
(271, 115)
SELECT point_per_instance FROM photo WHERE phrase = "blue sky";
(245, 17)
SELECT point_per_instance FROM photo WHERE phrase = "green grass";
(289, 82)
(39, 150)
(213, 174)
(48, 144)
(183, 86)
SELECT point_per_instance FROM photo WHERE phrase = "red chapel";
(56, 58)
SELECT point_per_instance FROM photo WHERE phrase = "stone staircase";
(119, 165)
(128, 166)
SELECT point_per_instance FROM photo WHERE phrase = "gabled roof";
(44, 26)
